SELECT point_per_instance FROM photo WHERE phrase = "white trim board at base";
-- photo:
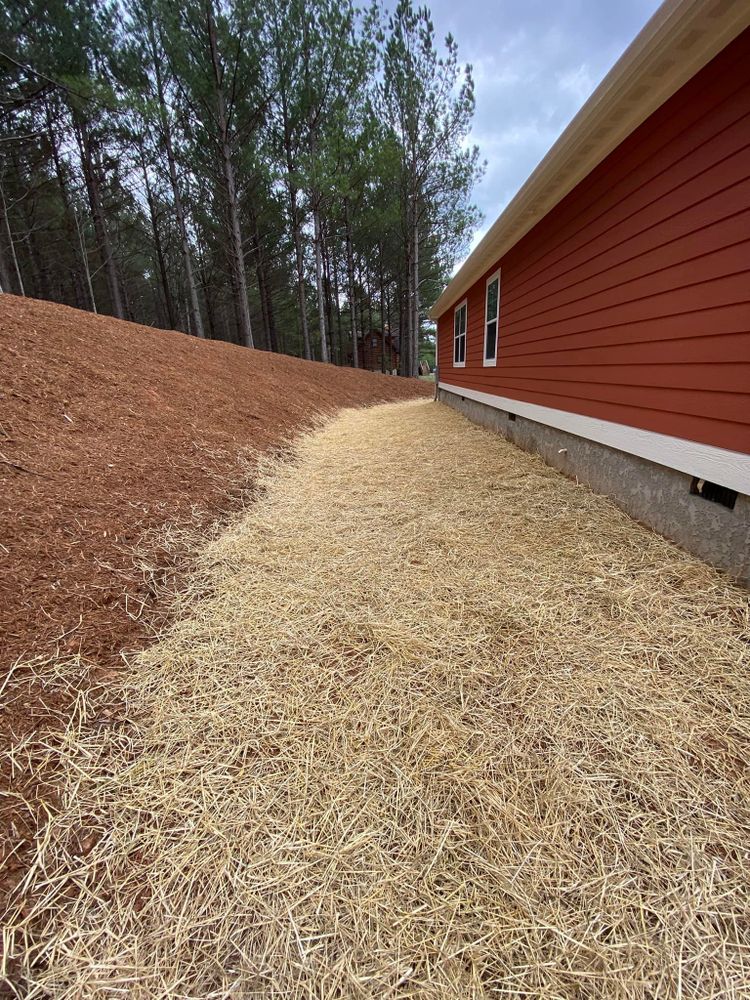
(717, 465)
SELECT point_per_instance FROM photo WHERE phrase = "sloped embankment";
(109, 431)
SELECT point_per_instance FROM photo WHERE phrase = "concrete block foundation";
(653, 494)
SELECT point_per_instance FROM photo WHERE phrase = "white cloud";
(578, 82)
(534, 65)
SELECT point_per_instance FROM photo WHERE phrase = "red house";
(604, 319)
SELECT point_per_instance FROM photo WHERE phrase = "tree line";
(284, 174)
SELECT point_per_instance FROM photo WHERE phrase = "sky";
(535, 63)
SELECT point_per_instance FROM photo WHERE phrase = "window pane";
(492, 289)
(491, 341)
(459, 335)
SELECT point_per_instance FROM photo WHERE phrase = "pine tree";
(430, 122)
(244, 170)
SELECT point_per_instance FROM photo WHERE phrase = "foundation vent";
(713, 492)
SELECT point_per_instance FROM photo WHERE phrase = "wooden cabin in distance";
(604, 319)
(378, 352)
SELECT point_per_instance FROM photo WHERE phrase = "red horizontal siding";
(732, 378)
(713, 349)
(630, 300)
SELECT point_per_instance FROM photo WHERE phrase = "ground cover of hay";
(433, 721)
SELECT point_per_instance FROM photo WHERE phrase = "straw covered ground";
(432, 721)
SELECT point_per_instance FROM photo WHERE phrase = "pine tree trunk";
(78, 291)
(12, 245)
(210, 300)
(370, 327)
(31, 261)
(401, 325)
(38, 265)
(296, 226)
(406, 336)
(85, 259)
(362, 314)
(383, 325)
(415, 297)
(169, 305)
(301, 297)
(305, 60)
(36, 261)
(235, 232)
(273, 340)
(327, 294)
(318, 238)
(187, 257)
(350, 277)
(264, 338)
(4, 272)
(336, 299)
(388, 304)
(210, 315)
(129, 314)
(266, 306)
(90, 165)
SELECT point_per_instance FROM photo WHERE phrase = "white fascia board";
(717, 465)
(678, 41)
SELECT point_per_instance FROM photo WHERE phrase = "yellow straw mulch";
(433, 721)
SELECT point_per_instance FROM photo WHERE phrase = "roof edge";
(679, 39)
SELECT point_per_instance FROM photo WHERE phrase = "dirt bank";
(109, 430)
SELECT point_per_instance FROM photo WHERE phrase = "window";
(491, 320)
(374, 341)
(459, 336)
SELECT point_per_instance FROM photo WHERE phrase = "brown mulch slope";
(108, 430)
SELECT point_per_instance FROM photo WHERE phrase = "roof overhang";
(681, 37)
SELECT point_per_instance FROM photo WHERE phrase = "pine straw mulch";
(431, 721)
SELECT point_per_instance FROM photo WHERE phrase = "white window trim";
(491, 362)
(464, 304)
